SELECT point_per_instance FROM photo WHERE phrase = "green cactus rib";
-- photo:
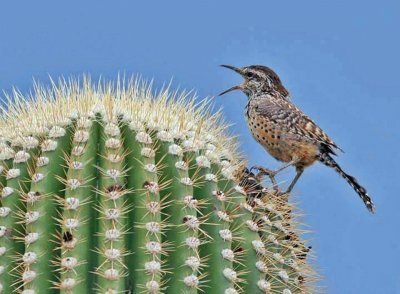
(284, 274)
(42, 210)
(17, 183)
(144, 238)
(77, 257)
(182, 231)
(124, 193)
(112, 270)
(216, 250)
(6, 160)
(250, 270)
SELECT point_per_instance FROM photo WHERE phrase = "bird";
(285, 131)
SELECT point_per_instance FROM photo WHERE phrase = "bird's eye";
(249, 74)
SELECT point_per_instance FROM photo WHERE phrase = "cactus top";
(174, 115)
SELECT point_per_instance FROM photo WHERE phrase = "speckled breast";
(274, 138)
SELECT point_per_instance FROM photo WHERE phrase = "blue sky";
(339, 59)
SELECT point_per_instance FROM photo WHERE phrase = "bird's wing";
(295, 122)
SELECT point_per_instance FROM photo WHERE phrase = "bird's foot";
(262, 171)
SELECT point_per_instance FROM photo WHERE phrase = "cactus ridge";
(110, 188)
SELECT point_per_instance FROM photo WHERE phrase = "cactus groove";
(114, 189)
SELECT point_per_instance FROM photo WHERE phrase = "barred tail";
(326, 159)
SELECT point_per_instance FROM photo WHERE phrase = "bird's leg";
(271, 173)
(296, 178)
(262, 171)
(286, 165)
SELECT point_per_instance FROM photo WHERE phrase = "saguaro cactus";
(113, 189)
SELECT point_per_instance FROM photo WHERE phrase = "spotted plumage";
(283, 129)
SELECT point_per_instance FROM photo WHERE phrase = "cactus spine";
(111, 189)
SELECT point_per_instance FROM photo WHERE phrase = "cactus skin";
(125, 193)
(45, 184)
(77, 205)
(16, 183)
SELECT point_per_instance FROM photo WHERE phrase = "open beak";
(237, 87)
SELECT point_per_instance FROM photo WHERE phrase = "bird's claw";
(262, 171)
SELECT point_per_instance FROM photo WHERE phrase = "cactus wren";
(284, 130)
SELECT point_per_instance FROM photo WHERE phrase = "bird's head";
(258, 79)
